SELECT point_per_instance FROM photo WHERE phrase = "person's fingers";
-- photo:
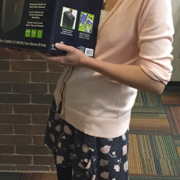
(64, 47)
(56, 59)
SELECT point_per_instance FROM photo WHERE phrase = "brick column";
(27, 83)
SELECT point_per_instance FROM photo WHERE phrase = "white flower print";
(91, 149)
(123, 137)
(85, 148)
(126, 166)
(67, 130)
(105, 149)
(89, 156)
(49, 124)
(124, 149)
(59, 144)
(93, 177)
(60, 159)
(117, 168)
(52, 137)
(103, 163)
(119, 160)
(58, 128)
(94, 158)
(85, 167)
(105, 175)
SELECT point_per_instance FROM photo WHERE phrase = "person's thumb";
(63, 47)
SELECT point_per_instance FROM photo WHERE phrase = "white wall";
(176, 44)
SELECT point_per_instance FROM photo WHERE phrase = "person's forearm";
(129, 75)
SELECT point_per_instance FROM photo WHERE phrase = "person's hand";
(74, 57)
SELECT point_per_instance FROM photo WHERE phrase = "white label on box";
(89, 52)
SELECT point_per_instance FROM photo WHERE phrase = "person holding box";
(89, 121)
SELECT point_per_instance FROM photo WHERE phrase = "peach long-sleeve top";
(135, 32)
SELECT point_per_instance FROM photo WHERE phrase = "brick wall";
(26, 86)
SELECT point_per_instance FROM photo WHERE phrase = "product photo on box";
(11, 14)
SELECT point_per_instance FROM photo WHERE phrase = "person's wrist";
(86, 61)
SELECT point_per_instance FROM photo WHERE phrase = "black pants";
(63, 173)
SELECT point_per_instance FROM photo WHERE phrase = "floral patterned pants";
(91, 158)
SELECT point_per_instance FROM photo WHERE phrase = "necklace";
(104, 4)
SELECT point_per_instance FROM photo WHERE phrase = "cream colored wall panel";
(176, 43)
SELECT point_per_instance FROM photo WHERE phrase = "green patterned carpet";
(154, 140)
(155, 137)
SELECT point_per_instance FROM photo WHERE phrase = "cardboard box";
(38, 25)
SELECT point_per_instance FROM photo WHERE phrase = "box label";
(33, 33)
(28, 33)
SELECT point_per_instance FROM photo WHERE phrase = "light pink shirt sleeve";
(155, 29)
